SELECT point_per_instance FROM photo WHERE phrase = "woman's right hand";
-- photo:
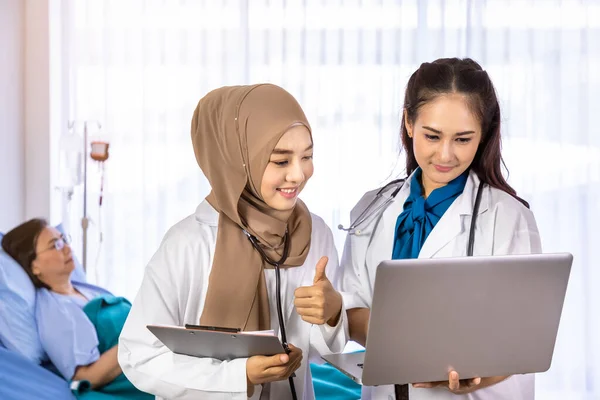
(263, 369)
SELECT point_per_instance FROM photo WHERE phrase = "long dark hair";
(466, 77)
(20, 243)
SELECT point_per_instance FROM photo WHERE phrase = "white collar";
(206, 214)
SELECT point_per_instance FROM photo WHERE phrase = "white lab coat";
(173, 292)
(503, 226)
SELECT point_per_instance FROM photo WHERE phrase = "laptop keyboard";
(360, 365)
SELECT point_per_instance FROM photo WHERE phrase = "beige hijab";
(234, 131)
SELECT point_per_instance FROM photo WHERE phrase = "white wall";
(37, 109)
(32, 114)
(12, 153)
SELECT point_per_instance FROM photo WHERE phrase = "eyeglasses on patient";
(58, 243)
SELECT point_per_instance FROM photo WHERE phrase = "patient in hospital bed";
(78, 323)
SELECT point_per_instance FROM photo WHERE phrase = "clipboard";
(216, 343)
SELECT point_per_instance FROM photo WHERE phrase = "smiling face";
(53, 262)
(290, 167)
(446, 136)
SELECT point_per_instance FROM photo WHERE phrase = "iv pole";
(85, 220)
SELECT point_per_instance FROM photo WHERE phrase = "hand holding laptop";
(461, 386)
(263, 369)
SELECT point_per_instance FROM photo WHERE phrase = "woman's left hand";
(462, 386)
(319, 303)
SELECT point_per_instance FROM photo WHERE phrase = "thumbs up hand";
(320, 302)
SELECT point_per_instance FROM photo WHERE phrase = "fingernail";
(284, 358)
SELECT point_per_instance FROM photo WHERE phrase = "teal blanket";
(108, 315)
(330, 384)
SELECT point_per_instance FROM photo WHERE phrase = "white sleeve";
(151, 366)
(516, 232)
(356, 287)
(357, 282)
(516, 387)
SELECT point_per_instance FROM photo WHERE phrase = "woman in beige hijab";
(215, 267)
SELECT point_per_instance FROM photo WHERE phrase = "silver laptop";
(480, 316)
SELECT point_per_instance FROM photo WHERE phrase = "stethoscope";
(276, 265)
(372, 211)
(378, 211)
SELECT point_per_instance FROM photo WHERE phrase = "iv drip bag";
(70, 160)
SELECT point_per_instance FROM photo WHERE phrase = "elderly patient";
(78, 323)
